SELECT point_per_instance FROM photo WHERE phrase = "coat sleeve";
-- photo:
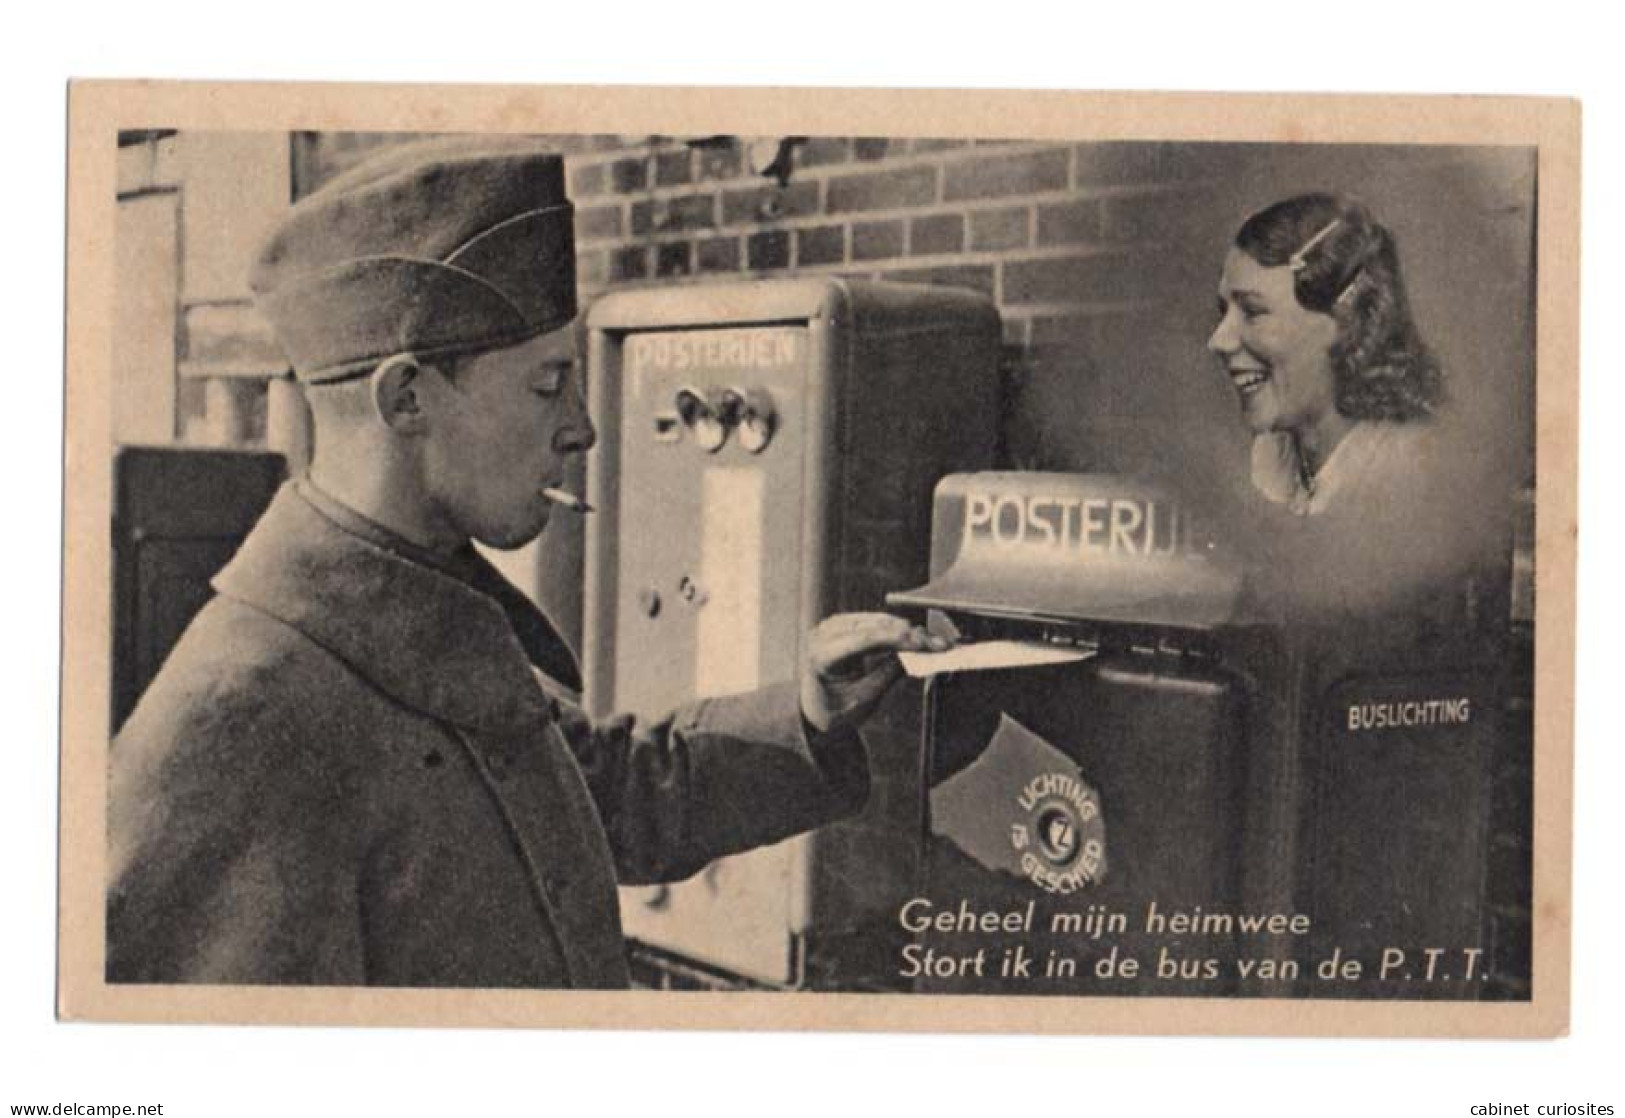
(714, 778)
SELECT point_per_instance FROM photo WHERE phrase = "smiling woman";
(1315, 332)
(1374, 491)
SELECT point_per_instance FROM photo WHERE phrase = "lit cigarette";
(568, 500)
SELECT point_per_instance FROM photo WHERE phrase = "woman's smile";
(1248, 379)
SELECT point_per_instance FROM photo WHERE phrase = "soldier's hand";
(852, 661)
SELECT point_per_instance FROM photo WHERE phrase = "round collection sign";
(1061, 835)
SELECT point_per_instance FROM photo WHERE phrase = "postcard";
(499, 519)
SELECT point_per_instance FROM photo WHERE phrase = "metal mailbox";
(1085, 792)
(1190, 760)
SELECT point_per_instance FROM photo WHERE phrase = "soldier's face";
(500, 434)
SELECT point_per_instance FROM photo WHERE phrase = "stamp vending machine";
(767, 453)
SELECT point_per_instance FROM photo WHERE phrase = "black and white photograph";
(1048, 571)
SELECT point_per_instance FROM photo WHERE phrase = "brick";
(820, 151)
(1101, 277)
(925, 146)
(915, 186)
(974, 277)
(720, 161)
(769, 203)
(1068, 223)
(877, 240)
(868, 149)
(933, 236)
(588, 180)
(629, 264)
(648, 217)
(592, 269)
(991, 230)
(768, 250)
(670, 215)
(1001, 175)
(629, 175)
(595, 223)
(674, 168)
(672, 259)
(717, 254)
(824, 244)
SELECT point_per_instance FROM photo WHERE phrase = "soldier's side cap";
(441, 249)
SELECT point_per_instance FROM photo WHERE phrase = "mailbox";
(1102, 787)
(1156, 762)
(179, 514)
(766, 457)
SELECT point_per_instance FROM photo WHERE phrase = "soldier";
(361, 764)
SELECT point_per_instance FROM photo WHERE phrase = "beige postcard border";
(98, 109)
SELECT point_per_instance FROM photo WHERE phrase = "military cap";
(440, 249)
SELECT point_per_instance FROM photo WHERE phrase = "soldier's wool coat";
(350, 772)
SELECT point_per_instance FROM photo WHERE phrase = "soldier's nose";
(575, 438)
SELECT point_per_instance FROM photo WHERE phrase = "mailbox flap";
(1072, 547)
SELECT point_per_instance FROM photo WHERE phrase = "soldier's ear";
(397, 393)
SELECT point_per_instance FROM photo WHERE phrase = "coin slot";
(701, 419)
(757, 420)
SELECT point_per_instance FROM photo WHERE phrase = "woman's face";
(1274, 349)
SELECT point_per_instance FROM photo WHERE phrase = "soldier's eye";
(551, 379)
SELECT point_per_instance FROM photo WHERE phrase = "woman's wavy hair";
(1348, 267)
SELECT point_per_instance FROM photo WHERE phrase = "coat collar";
(426, 638)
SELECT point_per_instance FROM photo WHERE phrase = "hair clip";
(1350, 287)
(1297, 261)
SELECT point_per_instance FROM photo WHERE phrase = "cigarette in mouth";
(568, 500)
